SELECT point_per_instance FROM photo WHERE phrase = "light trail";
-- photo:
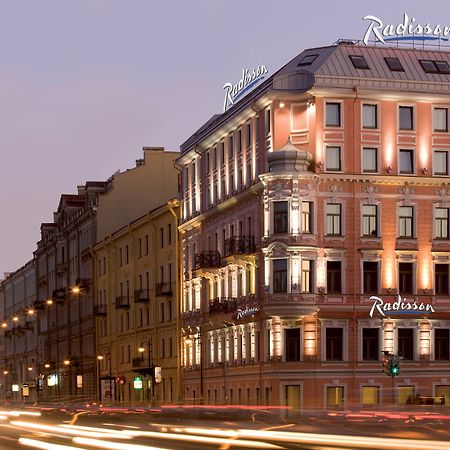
(202, 439)
(47, 445)
(113, 445)
(74, 432)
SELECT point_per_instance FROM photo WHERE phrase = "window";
(169, 233)
(146, 244)
(406, 116)
(334, 343)
(335, 396)
(248, 135)
(127, 254)
(307, 60)
(267, 121)
(292, 344)
(440, 119)
(370, 160)
(405, 394)
(370, 350)
(369, 219)
(161, 234)
(333, 219)
(406, 343)
(307, 281)
(440, 162)
(430, 66)
(359, 62)
(405, 221)
(214, 155)
(239, 142)
(120, 257)
(280, 275)
(442, 391)
(406, 161)
(370, 116)
(139, 248)
(207, 162)
(307, 208)
(441, 223)
(222, 152)
(334, 277)
(394, 64)
(441, 279)
(333, 114)
(370, 277)
(280, 217)
(405, 278)
(370, 395)
(230, 147)
(333, 158)
(441, 344)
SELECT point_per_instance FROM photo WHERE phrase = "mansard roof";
(332, 67)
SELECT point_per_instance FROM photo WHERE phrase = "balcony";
(164, 288)
(39, 304)
(141, 366)
(239, 245)
(59, 294)
(206, 260)
(223, 305)
(141, 296)
(291, 306)
(122, 302)
(100, 310)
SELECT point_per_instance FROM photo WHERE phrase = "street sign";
(137, 382)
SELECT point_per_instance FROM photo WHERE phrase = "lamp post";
(198, 338)
(141, 350)
(5, 372)
(100, 359)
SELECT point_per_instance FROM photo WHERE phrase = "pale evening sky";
(85, 84)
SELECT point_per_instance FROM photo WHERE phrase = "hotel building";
(324, 186)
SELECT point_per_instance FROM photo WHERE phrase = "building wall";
(136, 305)
(20, 335)
(132, 193)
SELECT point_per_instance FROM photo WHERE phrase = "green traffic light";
(395, 370)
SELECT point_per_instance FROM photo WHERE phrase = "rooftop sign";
(407, 30)
(248, 80)
(400, 306)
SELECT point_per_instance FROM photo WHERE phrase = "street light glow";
(66, 362)
(49, 301)
(100, 357)
(141, 349)
(76, 290)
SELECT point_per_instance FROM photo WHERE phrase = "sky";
(85, 84)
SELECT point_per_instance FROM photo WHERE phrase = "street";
(213, 428)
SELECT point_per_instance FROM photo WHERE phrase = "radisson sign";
(248, 80)
(407, 30)
(400, 306)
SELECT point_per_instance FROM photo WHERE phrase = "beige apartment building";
(137, 318)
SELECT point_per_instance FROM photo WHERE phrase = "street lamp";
(149, 369)
(100, 359)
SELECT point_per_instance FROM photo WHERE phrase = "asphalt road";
(186, 429)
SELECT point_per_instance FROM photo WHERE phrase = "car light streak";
(201, 439)
(46, 445)
(107, 431)
(113, 445)
(61, 430)
(345, 441)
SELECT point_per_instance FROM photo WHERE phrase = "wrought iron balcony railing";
(141, 296)
(207, 259)
(122, 301)
(239, 245)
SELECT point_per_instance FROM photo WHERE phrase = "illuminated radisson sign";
(400, 306)
(407, 30)
(247, 81)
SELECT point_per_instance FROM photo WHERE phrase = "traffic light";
(395, 366)
(386, 362)
(395, 370)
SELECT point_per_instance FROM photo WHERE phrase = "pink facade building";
(323, 187)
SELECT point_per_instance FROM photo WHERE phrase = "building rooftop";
(347, 64)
